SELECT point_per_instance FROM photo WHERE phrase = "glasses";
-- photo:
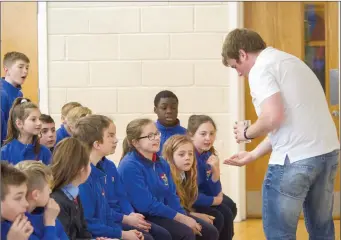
(151, 136)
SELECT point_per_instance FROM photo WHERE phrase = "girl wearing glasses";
(149, 184)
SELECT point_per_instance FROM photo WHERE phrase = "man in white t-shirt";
(292, 111)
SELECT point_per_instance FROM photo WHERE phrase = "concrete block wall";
(115, 56)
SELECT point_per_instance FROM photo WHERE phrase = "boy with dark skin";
(166, 108)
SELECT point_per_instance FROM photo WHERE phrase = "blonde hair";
(68, 106)
(75, 114)
(38, 174)
(187, 191)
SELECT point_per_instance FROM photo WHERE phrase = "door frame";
(43, 58)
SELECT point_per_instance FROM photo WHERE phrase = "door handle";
(335, 113)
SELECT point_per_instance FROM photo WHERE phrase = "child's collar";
(10, 84)
(158, 123)
(154, 159)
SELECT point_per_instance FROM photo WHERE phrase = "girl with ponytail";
(150, 187)
(22, 142)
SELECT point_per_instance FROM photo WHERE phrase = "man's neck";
(95, 157)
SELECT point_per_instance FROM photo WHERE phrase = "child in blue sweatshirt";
(70, 120)
(63, 131)
(42, 211)
(16, 67)
(14, 223)
(179, 152)
(149, 184)
(24, 127)
(166, 107)
(98, 133)
(202, 131)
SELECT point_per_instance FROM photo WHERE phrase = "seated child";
(70, 168)
(211, 200)
(116, 194)
(22, 141)
(178, 151)
(16, 65)
(62, 132)
(48, 131)
(14, 223)
(42, 210)
(98, 133)
(70, 120)
(166, 107)
(149, 184)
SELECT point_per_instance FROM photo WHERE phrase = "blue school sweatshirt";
(149, 185)
(40, 231)
(3, 128)
(15, 152)
(167, 132)
(101, 219)
(8, 94)
(206, 187)
(116, 194)
(61, 134)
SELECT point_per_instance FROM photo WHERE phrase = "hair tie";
(23, 100)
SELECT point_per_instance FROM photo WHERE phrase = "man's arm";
(270, 119)
(263, 148)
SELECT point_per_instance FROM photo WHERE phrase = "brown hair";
(11, 57)
(188, 191)
(75, 114)
(91, 128)
(20, 109)
(38, 174)
(134, 130)
(44, 118)
(68, 106)
(241, 38)
(194, 123)
(69, 157)
(10, 176)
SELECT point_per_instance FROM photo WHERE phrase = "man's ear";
(155, 110)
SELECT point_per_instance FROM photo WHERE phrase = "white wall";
(114, 57)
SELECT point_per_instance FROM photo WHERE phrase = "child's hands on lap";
(132, 235)
(137, 220)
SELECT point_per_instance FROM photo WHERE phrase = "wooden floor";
(252, 229)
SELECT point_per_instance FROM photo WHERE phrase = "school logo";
(164, 178)
(208, 173)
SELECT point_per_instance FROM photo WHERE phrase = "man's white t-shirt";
(308, 129)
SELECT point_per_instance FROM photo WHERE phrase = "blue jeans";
(307, 183)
